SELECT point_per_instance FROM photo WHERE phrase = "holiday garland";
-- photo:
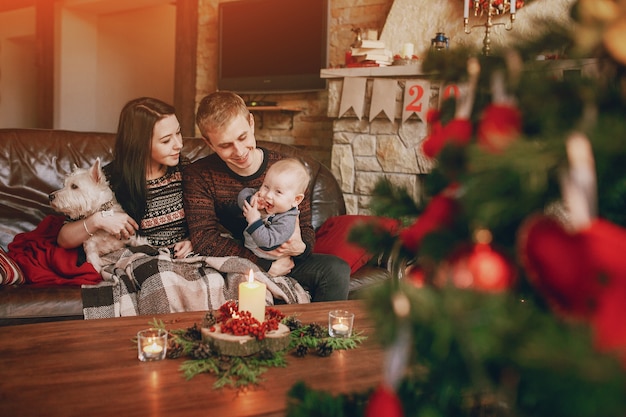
(242, 371)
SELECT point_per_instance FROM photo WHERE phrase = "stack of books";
(371, 53)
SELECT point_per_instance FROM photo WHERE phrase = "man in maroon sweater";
(211, 186)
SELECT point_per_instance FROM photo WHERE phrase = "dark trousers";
(325, 277)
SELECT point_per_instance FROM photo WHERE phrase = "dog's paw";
(91, 253)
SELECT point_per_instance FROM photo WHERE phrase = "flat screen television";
(272, 46)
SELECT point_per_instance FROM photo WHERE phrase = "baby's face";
(277, 193)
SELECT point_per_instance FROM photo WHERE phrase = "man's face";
(235, 144)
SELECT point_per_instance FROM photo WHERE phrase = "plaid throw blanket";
(143, 281)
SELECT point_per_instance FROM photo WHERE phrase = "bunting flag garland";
(416, 98)
(383, 98)
(353, 96)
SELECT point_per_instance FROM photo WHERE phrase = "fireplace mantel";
(408, 70)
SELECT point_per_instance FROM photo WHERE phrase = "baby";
(272, 211)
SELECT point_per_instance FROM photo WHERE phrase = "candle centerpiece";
(233, 332)
(252, 297)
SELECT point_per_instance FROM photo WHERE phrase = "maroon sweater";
(210, 192)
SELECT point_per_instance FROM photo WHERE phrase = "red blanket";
(45, 263)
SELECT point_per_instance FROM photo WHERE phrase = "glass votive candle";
(151, 344)
(340, 323)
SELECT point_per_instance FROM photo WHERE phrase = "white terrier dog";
(85, 192)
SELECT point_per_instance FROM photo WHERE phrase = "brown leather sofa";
(34, 162)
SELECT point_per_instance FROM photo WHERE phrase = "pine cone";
(324, 349)
(174, 349)
(193, 332)
(317, 331)
(201, 351)
(293, 323)
(301, 351)
(224, 363)
(209, 319)
(266, 354)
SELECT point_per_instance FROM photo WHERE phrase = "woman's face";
(167, 141)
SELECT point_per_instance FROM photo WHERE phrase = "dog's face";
(83, 193)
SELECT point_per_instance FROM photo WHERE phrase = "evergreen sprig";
(345, 343)
(242, 371)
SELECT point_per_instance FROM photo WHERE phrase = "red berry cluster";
(241, 323)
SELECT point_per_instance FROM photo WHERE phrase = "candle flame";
(251, 276)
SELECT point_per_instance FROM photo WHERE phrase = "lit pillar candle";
(466, 7)
(252, 298)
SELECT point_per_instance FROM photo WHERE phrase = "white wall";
(136, 52)
(103, 58)
(18, 75)
(76, 71)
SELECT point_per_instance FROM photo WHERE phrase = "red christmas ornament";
(384, 402)
(416, 276)
(439, 213)
(609, 324)
(501, 124)
(490, 269)
(482, 268)
(457, 132)
(558, 266)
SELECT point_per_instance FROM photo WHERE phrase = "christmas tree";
(509, 280)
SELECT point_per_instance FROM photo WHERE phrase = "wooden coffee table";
(90, 368)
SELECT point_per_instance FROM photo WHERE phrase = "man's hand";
(294, 246)
(281, 267)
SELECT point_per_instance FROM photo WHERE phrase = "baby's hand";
(257, 201)
(250, 212)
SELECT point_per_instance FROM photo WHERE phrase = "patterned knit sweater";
(216, 223)
(164, 223)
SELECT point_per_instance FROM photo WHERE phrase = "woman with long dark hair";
(145, 175)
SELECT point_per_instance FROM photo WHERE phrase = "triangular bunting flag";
(383, 98)
(353, 95)
(416, 99)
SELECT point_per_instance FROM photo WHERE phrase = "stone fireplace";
(364, 151)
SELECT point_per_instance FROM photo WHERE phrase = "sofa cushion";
(332, 238)
(10, 273)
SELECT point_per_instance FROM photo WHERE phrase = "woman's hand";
(182, 249)
(120, 225)
(281, 267)
(74, 234)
